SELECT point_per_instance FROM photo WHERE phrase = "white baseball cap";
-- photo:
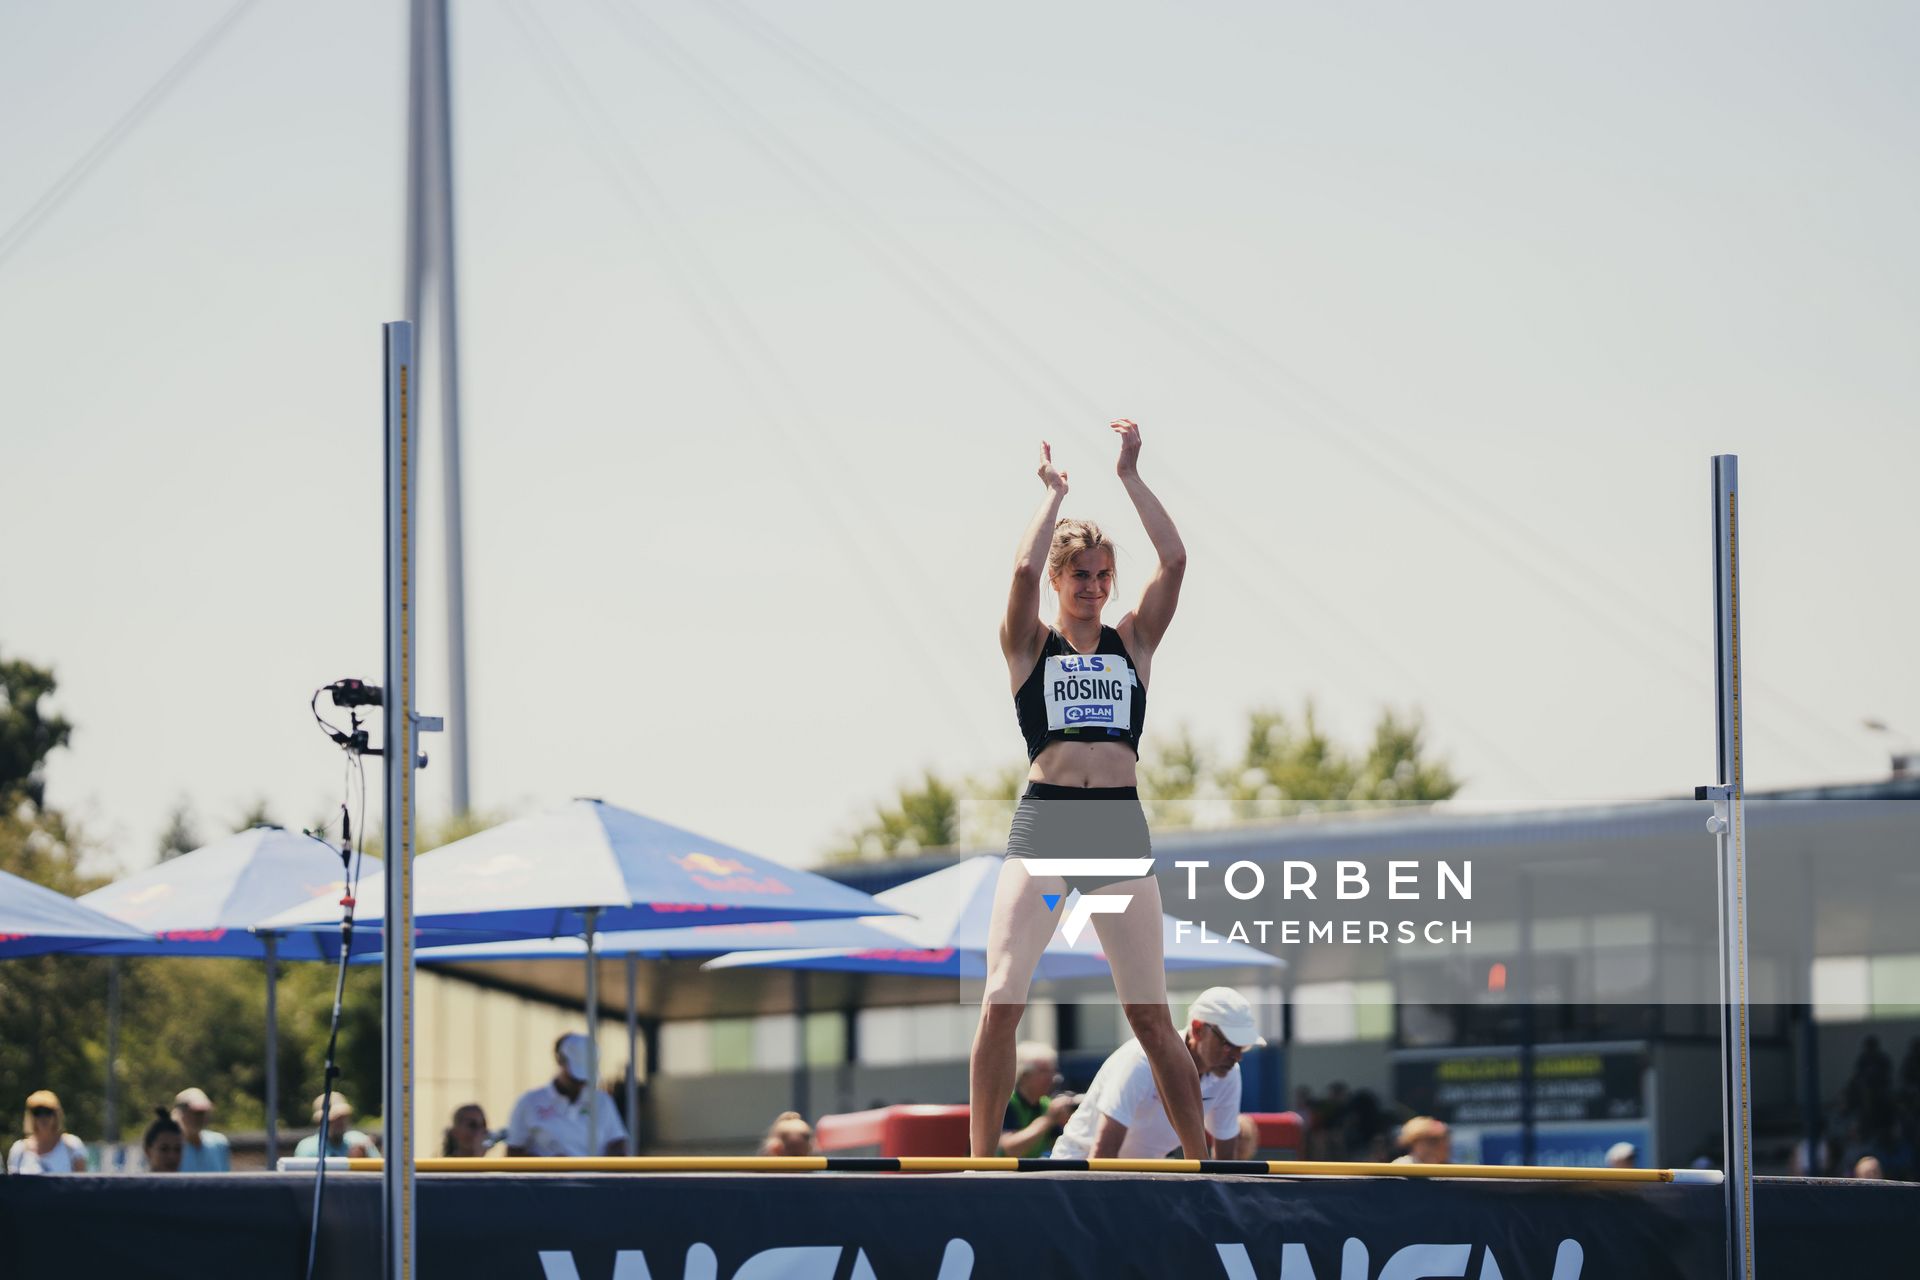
(573, 1049)
(1228, 1010)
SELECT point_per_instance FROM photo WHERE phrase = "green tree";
(1287, 766)
(28, 733)
(1396, 768)
(180, 835)
(923, 817)
(1172, 776)
(256, 814)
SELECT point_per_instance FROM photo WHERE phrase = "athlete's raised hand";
(1129, 446)
(1054, 480)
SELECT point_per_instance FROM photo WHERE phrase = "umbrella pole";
(802, 1095)
(593, 1038)
(633, 1051)
(113, 1055)
(272, 944)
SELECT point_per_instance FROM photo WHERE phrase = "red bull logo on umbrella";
(727, 875)
(710, 865)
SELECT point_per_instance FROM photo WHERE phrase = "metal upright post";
(633, 1054)
(593, 1036)
(271, 942)
(1728, 825)
(113, 1058)
(399, 748)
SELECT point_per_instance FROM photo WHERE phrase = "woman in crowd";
(467, 1135)
(48, 1147)
(163, 1142)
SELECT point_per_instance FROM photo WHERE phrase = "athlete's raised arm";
(1161, 595)
(1021, 626)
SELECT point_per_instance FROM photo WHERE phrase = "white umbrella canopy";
(35, 920)
(210, 902)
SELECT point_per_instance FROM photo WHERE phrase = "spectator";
(1428, 1141)
(1122, 1115)
(468, 1134)
(201, 1149)
(789, 1135)
(1331, 1121)
(1811, 1159)
(1867, 1169)
(48, 1147)
(1365, 1120)
(163, 1143)
(1623, 1155)
(551, 1119)
(1034, 1119)
(342, 1140)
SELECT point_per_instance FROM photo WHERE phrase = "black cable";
(353, 847)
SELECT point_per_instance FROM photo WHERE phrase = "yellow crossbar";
(961, 1164)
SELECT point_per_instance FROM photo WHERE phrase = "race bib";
(1088, 691)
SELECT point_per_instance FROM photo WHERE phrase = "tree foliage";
(28, 732)
(1286, 765)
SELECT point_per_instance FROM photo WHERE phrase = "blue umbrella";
(947, 937)
(211, 901)
(590, 866)
(35, 920)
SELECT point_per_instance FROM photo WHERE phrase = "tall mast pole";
(430, 261)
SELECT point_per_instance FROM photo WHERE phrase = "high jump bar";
(1002, 1164)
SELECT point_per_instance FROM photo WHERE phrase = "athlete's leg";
(1134, 947)
(1016, 935)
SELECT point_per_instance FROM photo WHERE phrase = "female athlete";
(1080, 692)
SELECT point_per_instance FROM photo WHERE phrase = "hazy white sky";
(1431, 315)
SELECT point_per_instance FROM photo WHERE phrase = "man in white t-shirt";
(551, 1120)
(1121, 1115)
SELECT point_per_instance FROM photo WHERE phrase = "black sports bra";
(1081, 697)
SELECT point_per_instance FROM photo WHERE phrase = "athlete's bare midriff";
(1085, 764)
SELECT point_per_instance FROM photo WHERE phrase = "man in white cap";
(342, 1138)
(1122, 1115)
(201, 1149)
(1623, 1155)
(551, 1120)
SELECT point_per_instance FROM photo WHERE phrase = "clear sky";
(1431, 316)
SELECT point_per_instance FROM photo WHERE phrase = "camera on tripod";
(354, 693)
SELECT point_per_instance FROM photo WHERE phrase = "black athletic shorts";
(1080, 822)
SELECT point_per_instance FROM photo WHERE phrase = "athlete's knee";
(1001, 1016)
(1149, 1021)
